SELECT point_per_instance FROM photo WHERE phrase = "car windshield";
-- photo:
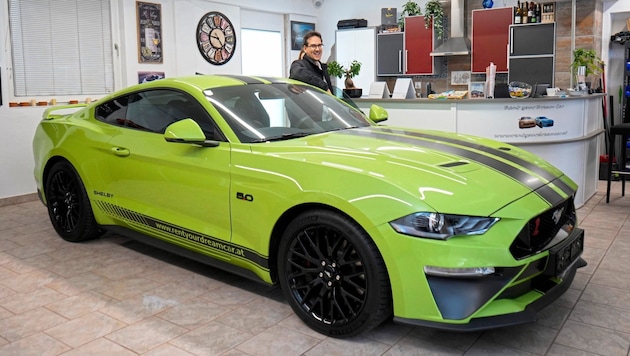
(269, 112)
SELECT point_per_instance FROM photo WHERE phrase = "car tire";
(68, 205)
(332, 274)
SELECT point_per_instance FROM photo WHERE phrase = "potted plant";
(433, 12)
(585, 62)
(410, 8)
(337, 70)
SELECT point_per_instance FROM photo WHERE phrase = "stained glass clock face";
(216, 38)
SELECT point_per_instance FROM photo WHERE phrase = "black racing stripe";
(532, 182)
(244, 78)
(275, 80)
(566, 189)
(185, 234)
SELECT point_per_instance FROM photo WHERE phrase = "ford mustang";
(275, 180)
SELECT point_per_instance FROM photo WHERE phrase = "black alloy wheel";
(332, 275)
(68, 205)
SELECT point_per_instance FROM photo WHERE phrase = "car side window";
(153, 110)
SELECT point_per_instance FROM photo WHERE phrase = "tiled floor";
(114, 296)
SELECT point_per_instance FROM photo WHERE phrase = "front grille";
(540, 230)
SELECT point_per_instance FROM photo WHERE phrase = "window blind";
(61, 47)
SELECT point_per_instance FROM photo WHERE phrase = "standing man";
(309, 69)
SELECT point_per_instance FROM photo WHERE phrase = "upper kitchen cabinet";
(418, 47)
(490, 38)
(389, 54)
(358, 44)
(532, 53)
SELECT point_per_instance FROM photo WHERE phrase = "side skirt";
(184, 252)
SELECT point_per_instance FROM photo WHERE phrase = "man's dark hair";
(310, 34)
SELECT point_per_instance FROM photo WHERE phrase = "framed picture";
(460, 77)
(149, 23)
(477, 90)
(145, 76)
(298, 30)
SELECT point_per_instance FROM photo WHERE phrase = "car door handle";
(119, 151)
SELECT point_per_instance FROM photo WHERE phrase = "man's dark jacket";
(307, 71)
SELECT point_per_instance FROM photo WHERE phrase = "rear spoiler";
(48, 113)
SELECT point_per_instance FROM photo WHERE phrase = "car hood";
(447, 172)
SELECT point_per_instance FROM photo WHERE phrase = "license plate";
(564, 254)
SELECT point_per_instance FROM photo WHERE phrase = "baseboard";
(18, 199)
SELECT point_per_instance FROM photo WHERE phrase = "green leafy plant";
(433, 12)
(410, 8)
(337, 70)
(586, 58)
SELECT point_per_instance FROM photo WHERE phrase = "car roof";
(199, 83)
(203, 82)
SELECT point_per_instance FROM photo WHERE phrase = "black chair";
(622, 130)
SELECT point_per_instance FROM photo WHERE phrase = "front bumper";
(529, 315)
(510, 296)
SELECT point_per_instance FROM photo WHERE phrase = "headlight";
(442, 226)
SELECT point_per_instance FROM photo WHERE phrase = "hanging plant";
(410, 8)
(433, 12)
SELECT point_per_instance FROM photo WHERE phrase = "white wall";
(181, 57)
(180, 19)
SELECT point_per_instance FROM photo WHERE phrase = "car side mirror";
(187, 131)
(378, 113)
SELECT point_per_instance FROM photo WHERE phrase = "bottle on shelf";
(517, 13)
(524, 18)
(530, 13)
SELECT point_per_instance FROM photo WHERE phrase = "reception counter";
(567, 132)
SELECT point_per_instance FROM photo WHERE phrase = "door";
(490, 38)
(177, 191)
(358, 44)
(418, 46)
(389, 54)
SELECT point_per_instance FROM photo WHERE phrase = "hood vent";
(457, 44)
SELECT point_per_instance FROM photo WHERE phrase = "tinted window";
(154, 110)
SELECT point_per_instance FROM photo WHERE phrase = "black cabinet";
(625, 108)
(532, 39)
(389, 54)
(532, 53)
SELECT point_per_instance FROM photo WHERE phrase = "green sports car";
(283, 183)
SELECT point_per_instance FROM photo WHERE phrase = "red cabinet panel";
(418, 46)
(490, 38)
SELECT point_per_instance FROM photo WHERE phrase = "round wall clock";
(216, 38)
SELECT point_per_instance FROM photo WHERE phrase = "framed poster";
(146, 76)
(477, 90)
(298, 30)
(460, 77)
(149, 23)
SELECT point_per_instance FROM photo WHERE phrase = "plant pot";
(354, 92)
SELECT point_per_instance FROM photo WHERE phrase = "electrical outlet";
(418, 85)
